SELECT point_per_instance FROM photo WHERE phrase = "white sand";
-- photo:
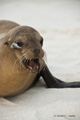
(59, 23)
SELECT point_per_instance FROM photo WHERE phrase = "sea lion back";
(6, 25)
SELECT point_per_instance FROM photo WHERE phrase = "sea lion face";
(27, 43)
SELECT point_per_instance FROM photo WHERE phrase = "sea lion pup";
(21, 60)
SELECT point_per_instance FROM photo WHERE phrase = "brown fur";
(14, 77)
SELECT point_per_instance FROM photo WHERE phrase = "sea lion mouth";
(32, 64)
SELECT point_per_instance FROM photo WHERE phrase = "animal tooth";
(30, 67)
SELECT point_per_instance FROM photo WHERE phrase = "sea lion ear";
(7, 42)
(15, 46)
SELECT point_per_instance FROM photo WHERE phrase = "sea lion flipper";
(53, 82)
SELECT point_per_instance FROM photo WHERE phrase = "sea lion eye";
(20, 44)
(41, 42)
(17, 45)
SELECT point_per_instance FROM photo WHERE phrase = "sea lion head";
(26, 43)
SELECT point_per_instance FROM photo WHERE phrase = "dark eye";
(41, 42)
(20, 44)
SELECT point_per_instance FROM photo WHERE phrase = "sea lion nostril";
(36, 51)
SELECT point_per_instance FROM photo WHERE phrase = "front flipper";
(53, 82)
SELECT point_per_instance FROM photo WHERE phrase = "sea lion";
(21, 60)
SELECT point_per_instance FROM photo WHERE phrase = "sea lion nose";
(36, 51)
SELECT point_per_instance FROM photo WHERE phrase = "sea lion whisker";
(27, 54)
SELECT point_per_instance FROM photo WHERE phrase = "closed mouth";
(32, 64)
